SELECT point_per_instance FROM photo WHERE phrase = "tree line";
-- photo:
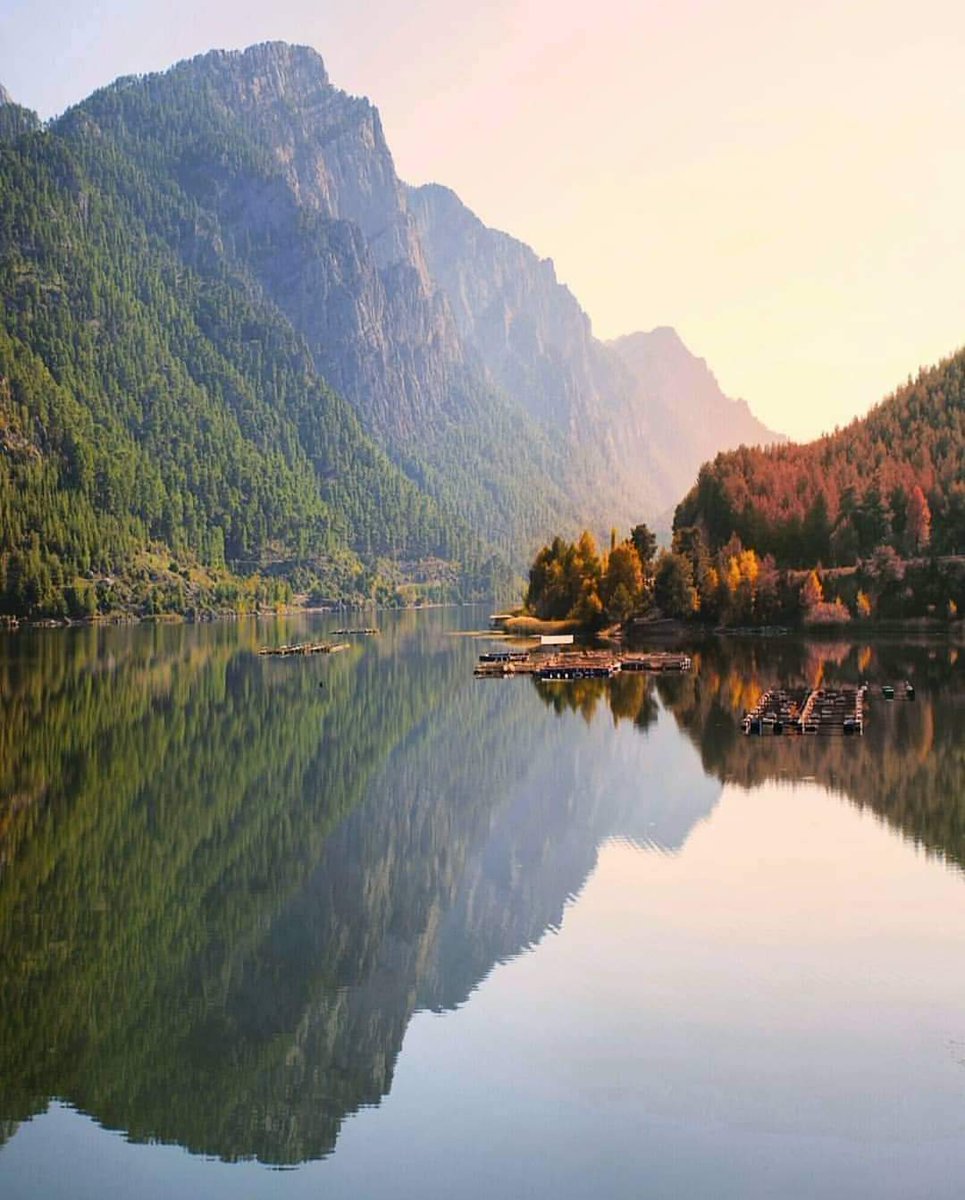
(733, 586)
(895, 477)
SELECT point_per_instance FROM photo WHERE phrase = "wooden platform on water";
(583, 664)
(303, 648)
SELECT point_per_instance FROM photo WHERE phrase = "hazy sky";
(782, 182)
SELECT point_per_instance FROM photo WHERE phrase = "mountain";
(299, 188)
(536, 346)
(686, 405)
(234, 340)
(895, 477)
(638, 415)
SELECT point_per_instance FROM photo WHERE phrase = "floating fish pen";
(303, 648)
(354, 632)
(792, 711)
(585, 664)
(505, 656)
(498, 665)
(660, 661)
(575, 669)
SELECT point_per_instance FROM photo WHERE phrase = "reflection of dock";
(807, 710)
(817, 710)
(303, 648)
(586, 664)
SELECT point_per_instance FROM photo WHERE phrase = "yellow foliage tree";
(812, 593)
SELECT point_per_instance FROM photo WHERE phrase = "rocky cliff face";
(316, 208)
(643, 410)
(531, 334)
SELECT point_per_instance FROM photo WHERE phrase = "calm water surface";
(411, 934)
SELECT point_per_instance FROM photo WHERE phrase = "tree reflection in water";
(225, 890)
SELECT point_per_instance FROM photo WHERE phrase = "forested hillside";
(152, 398)
(894, 478)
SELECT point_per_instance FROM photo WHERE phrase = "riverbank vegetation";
(572, 581)
(734, 585)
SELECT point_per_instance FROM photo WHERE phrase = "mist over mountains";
(232, 334)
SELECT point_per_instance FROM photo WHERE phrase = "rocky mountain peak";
(329, 146)
(273, 68)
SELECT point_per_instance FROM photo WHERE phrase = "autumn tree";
(564, 581)
(812, 593)
(622, 583)
(918, 522)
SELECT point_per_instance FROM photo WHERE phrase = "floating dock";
(585, 664)
(303, 648)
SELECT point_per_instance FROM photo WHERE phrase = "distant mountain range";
(233, 336)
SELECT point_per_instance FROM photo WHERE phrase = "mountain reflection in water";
(225, 889)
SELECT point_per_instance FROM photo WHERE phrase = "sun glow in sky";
(782, 182)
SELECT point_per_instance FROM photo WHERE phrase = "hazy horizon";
(774, 183)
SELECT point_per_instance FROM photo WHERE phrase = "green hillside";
(155, 401)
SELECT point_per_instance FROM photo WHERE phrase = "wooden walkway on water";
(583, 664)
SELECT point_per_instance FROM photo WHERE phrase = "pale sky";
(782, 182)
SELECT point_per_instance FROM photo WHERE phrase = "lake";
(361, 925)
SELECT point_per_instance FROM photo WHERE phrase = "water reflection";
(909, 767)
(229, 882)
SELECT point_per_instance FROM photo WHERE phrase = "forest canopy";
(895, 477)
